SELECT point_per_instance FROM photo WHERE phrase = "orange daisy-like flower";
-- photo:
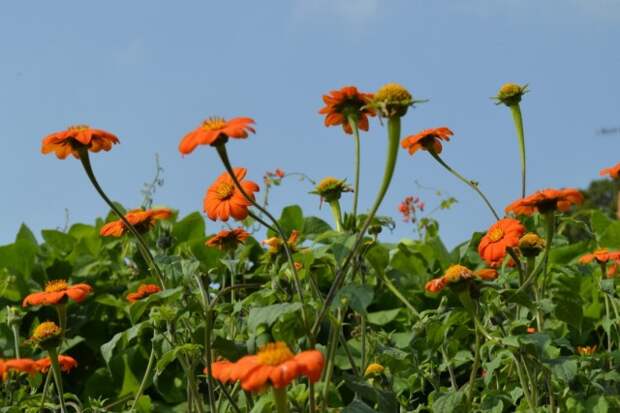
(347, 101)
(487, 274)
(435, 285)
(428, 139)
(56, 292)
(140, 219)
(223, 200)
(545, 201)
(215, 131)
(68, 142)
(67, 363)
(586, 350)
(20, 365)
(274, 244)
(504, 234)
(601, 255)
(457, 273)
(273, 365)
(227, 240)
(144, 290)
(613, 172)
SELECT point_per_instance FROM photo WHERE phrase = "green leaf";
(139, 307)
(25, 234)
(379, 257)
(189, 228)
(381, 318)
(611, 236)
(171, 355)
(565, 368)
(386, 400)
(448, 402)
(567, 253)
(358, 297)
(314, 226)
(122, 339)
(292, 217)
(358, 406)
(58, 240)
(268, 315)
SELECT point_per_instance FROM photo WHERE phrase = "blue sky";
(151, 71)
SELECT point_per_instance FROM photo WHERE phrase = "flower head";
(531, 244)
(224, 200)
(216, 131)
(140, 219)
(510, 94)
(56, 292)
(273, 365)
(435, 285)
(601, 255)
(613, 172)
(545, 201)
(374, 369)
(487, 274)
(67, 363)
(144, 290)
(456, 273)
(531, 330)
(345, 102)
(392, 100)
(330, 188)
(228, 240)
(18, 365)
(428, 140)
(502, 235)
(47, 335)
(274, 244)
(586, 350)
(70, 141)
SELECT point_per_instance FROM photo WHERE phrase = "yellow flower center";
(509, 89)
(79, 127)
(55, 286)
(225, 190)
(45, 330)
(214, 123)
(327, 183)
(373, 369)
(456, 273)
(274, 354)
(393, 93)
(496, 234)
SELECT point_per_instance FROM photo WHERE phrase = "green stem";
(542, 264)
(518, 121)
(449, 365)
(15, 330)
(260, 221)
(393, 127)
(46, 386)
(356, 136)
(524, 385)
(146, 253)
(145, 378)
(331, 353)
(206, 307)
(281, 399)
(53, 353)
(474, 367)
(336, 214)
(398, 294)
(466, 181)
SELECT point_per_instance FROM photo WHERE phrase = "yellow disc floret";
(392, 100)
(531, 244)
(330, 188)
(55, 286)
(274, 354)
(373, 369)
(457, 273)
(510, 94)
(214, 123)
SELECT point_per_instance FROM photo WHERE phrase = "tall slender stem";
(390, 285)
(206, 307)
(331, 353)
(518, 121)
(476, 364)
(53, 353)
(144, 249)
(467, 182)
(281, 399)
(46, 386)
(145, 378)
(15, 330)
(336, 214)
(356, 136)
(393, 127)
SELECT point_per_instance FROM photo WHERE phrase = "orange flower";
(545, 201)
(612, 270)
(531, 330)
(435, 285)
(215, 131)
(344, 102)
(428, 139)
(600, 255)
(456, 273)
(228, 239)
(613, 172)
(504, 234)
(224, 200)
(274, 365)
(144, 290)
(69, 141)
(487, 274)
(140, 219)
(586, 350)
(274, 244)
(20, 365)
(55, 293)
(66, 363)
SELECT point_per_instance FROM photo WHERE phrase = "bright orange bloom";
(274, 365)
(586, 350)
(66, 363)
(600, 255)
(68, 142)
(228, 239)
(504, 234)
(487, 274)
(428, 139)
(140, 219)
(20, 365)
(215, 131)
(545, 201)
(55, 293)
(613, 172)
(347, 101)
(531, 330)
(274, 244)
(144, 290)
(224, 200)
(435, 285)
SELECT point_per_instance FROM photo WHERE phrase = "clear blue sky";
(151, 71)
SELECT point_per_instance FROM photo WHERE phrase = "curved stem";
(146, 378)
(467, 182)
(518, 121)
(53, 353)
(398, 294)
(356, 136)
(221, 150)
(336, 214)
(146, 253)
(46, 386)
(390, 163)
(260, 221)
